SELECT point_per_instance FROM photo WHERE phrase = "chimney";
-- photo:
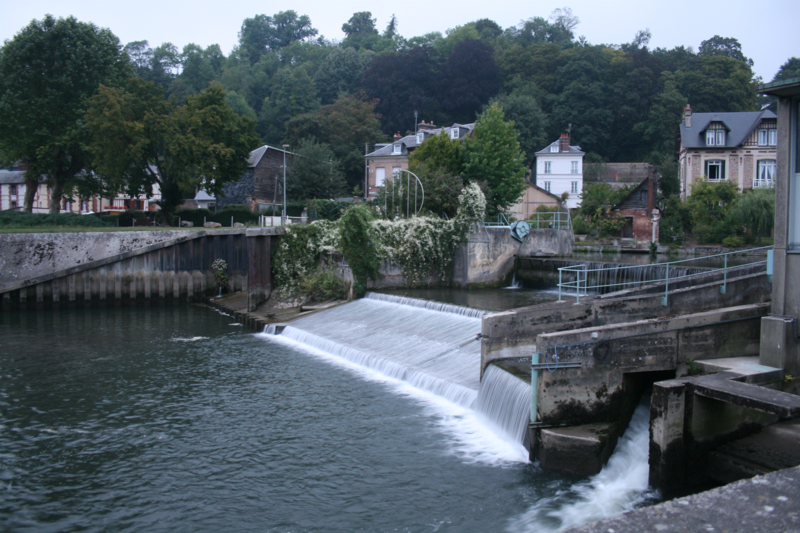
(687, 116)
(563, 143)
(427, 126)
(397, 136)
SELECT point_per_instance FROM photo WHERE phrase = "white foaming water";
(622, 485)
(505, 401)
(429, 351)
(469, 436)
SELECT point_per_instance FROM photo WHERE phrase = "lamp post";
(285, 146)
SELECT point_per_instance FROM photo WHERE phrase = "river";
(175, 419)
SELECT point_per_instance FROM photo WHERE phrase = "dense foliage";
(47, 71)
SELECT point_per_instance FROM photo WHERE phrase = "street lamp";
(285, 146)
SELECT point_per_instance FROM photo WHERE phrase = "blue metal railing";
(581, 274)
(555, 220)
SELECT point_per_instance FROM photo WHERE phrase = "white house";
(559, 170)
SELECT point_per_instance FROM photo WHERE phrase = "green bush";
(326, 209)
(732, 242)
(323, 285)
(24, 219)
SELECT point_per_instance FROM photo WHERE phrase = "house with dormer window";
(736, 146)
(559, 170)
(389, 158)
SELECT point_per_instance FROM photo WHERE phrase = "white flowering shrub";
(423, 246)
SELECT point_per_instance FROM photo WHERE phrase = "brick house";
(740, 147)
(388, 158)
(639, 209)
(262, 184)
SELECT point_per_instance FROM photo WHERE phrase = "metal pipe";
(724, 288)
(285, 146)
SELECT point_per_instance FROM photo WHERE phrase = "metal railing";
(582, 273)
(553, 220)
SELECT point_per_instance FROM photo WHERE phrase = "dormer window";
(397, 148)
(554, 147)
(420, 137)
(715, 135)
(454, 133)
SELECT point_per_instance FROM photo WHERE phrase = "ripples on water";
(173, 419)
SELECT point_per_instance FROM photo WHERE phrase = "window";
(547, 167)
(554, 147)
(715, 137)
(715, 170)
(420, 137)
(380, 176)
(13, 190)
(768, 137)
(396, 171)
(547, 186)
(765, 177)
(454, 133)
(574, 189)
(397, 148)
(574, 167)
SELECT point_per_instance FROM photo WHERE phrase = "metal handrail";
(580, 284)
(554, 219)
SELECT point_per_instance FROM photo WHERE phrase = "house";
(559, 170)
(739, 147)
(640, 212)
(12, 191)
(262, 184)
(388, 158)
(780, 344)
(533, 197)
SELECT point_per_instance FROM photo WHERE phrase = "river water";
(175, 419)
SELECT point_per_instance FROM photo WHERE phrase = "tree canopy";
(492, 155)
(315, 172)
(139, 140)
(47, 73)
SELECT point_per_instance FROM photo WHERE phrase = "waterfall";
(505, 400)
(622, 485)
(433, 348)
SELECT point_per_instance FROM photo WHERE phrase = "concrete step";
(721, 387)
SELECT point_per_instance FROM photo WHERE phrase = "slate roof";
(203, 196)
(738, 124)
(572, 149)
(410, 141)
(258, 153)
(12, 177)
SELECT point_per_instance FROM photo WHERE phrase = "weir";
(432, 346)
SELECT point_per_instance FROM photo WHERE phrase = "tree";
(315, 172)
(262, 33)
(723, 46)
(468, 79)
(47, 72)
(438, 152)
(346, 126)
(359, 28)
(522, 106)
(755, 210)
(293, 93)
(789, 70)
(492, 154)
(139, 140)
(340, 72)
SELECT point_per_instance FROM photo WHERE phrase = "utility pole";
(285, 147)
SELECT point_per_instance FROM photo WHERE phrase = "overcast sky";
(769, 30)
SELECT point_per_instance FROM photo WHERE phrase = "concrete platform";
(580, 450)
(769, 503)
(745, 366)
(774, 448)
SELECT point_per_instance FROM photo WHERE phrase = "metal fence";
(581, 274)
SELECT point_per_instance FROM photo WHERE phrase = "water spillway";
(431, 346)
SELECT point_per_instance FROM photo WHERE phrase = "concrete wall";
(513, 333)
(25, 256)
(594, 392)
(177, 269)
(547, 242)
(481, 264)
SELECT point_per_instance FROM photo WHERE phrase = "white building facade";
(559, 170)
